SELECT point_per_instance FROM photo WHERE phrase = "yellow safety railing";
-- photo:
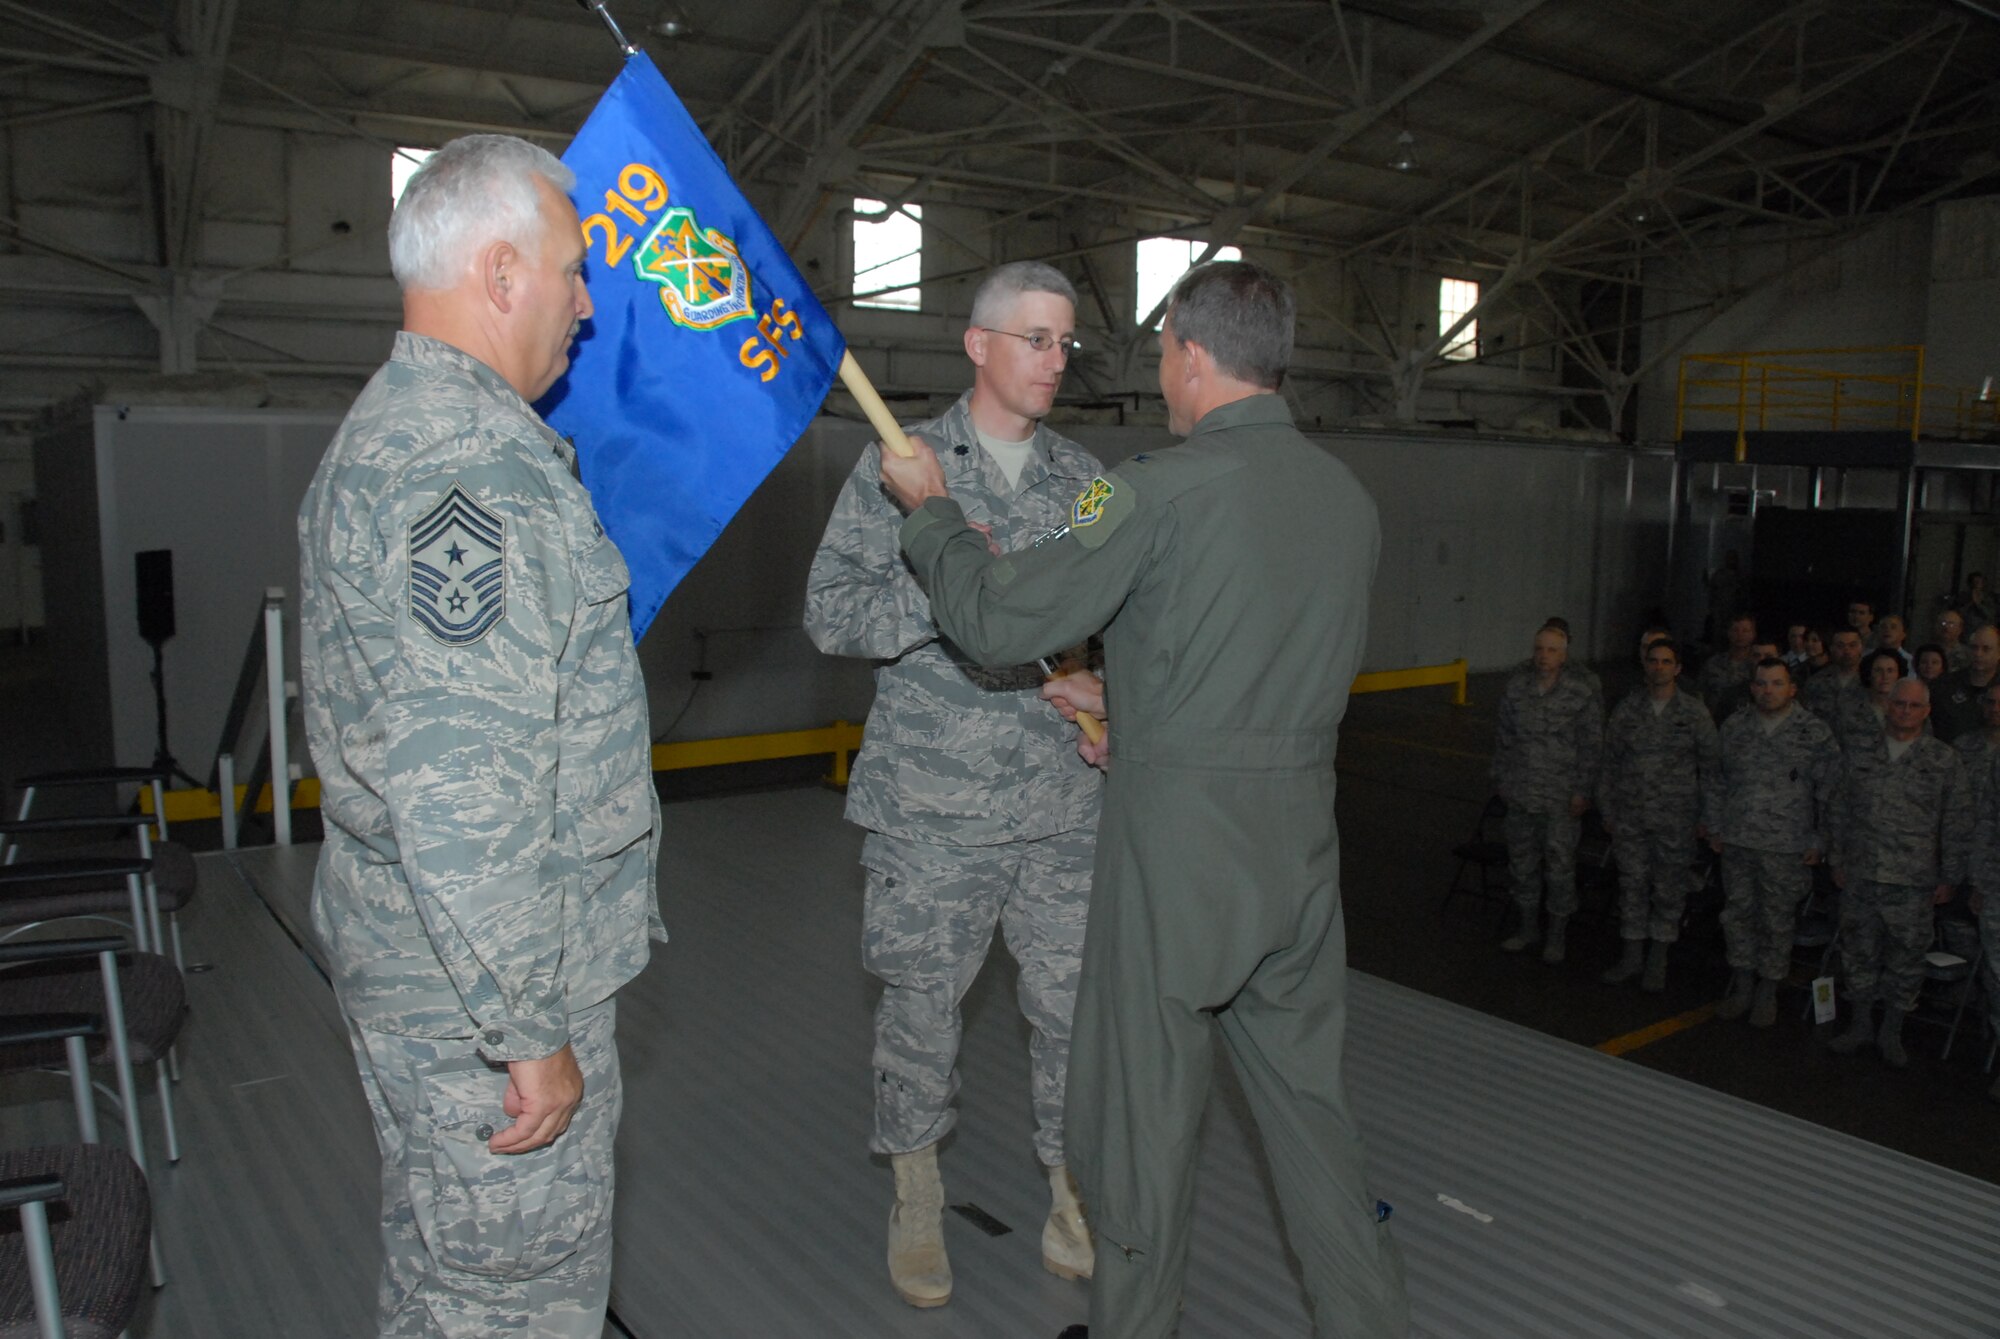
(838, 741)
(187, 806)
(1879, 387)
(1450, 675)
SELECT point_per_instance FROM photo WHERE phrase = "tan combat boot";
(1067, 1248)
(917, 1262)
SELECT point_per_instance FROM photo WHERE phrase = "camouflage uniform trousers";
(1885, 930)
(1655, 876)
(1989, 939)
(926, 927)
(1542, 846)
(478, 1243)
(1761, 892)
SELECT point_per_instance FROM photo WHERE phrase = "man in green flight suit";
(1233, 572)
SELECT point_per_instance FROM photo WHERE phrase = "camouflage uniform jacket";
(475, 712)
(1906, 820)
(1977, 752)
(1654, 764)
(1983, 769)
(952, 752)
(1546, 745)
(1773, 789)
(1856, 721)
(1724, 683)
(1827, 691)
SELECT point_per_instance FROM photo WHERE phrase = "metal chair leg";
(41, 1267)
(1965, 992)
(121, 1054)
(166, 1088)
(80, 1093)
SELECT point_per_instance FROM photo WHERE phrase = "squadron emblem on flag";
(457, 552)
(703, 280)
(1090, 502)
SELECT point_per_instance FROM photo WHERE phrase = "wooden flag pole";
(864, 393)
(891, 433)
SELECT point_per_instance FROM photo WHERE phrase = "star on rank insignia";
(458, 550)
(1090, 502)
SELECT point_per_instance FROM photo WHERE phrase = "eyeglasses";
(1041, 341)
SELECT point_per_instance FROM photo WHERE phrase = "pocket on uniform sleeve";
(501, 1216)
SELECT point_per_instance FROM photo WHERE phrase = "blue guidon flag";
(708, 355)
(458, 550)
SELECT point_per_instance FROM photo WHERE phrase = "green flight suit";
(1233, 572)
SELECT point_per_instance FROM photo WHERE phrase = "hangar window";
(1456, 297)
(402, 166)
(888, 255)
(1162, 261)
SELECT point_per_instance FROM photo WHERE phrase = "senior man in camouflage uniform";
(1658, 745)
(1901, 839)
(1765, 809)
(475, 711)
(1546, 746)
(978, 808)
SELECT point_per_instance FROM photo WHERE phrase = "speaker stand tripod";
(163, 757)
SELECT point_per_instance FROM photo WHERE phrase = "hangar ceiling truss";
(1549, 149)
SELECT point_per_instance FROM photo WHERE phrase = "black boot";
(1075, 1332)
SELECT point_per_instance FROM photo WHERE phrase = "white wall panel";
(221, 489)
(1482, 540)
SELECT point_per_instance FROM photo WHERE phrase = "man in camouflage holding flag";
(978, 808)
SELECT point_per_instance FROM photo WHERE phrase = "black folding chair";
(1482, 862)
(80, 1270)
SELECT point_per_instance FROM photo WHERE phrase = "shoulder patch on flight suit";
(1107, 512)
(1090, 502)
(458, 552)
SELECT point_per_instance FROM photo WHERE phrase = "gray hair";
(997, 291)
(1242, 314)
(474, 190)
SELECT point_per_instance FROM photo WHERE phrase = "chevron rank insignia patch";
(457, 552)
(1090, 502)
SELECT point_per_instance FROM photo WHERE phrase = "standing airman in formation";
(1545, 757)
(1766, 811)
(1901, 837)
(1659, 747)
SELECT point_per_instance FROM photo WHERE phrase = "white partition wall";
(218, 487)
(1482, 539)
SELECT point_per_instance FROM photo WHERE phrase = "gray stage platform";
(1541, 1189)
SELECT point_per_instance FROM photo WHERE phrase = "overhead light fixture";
(671, 22)
(1404, 159)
